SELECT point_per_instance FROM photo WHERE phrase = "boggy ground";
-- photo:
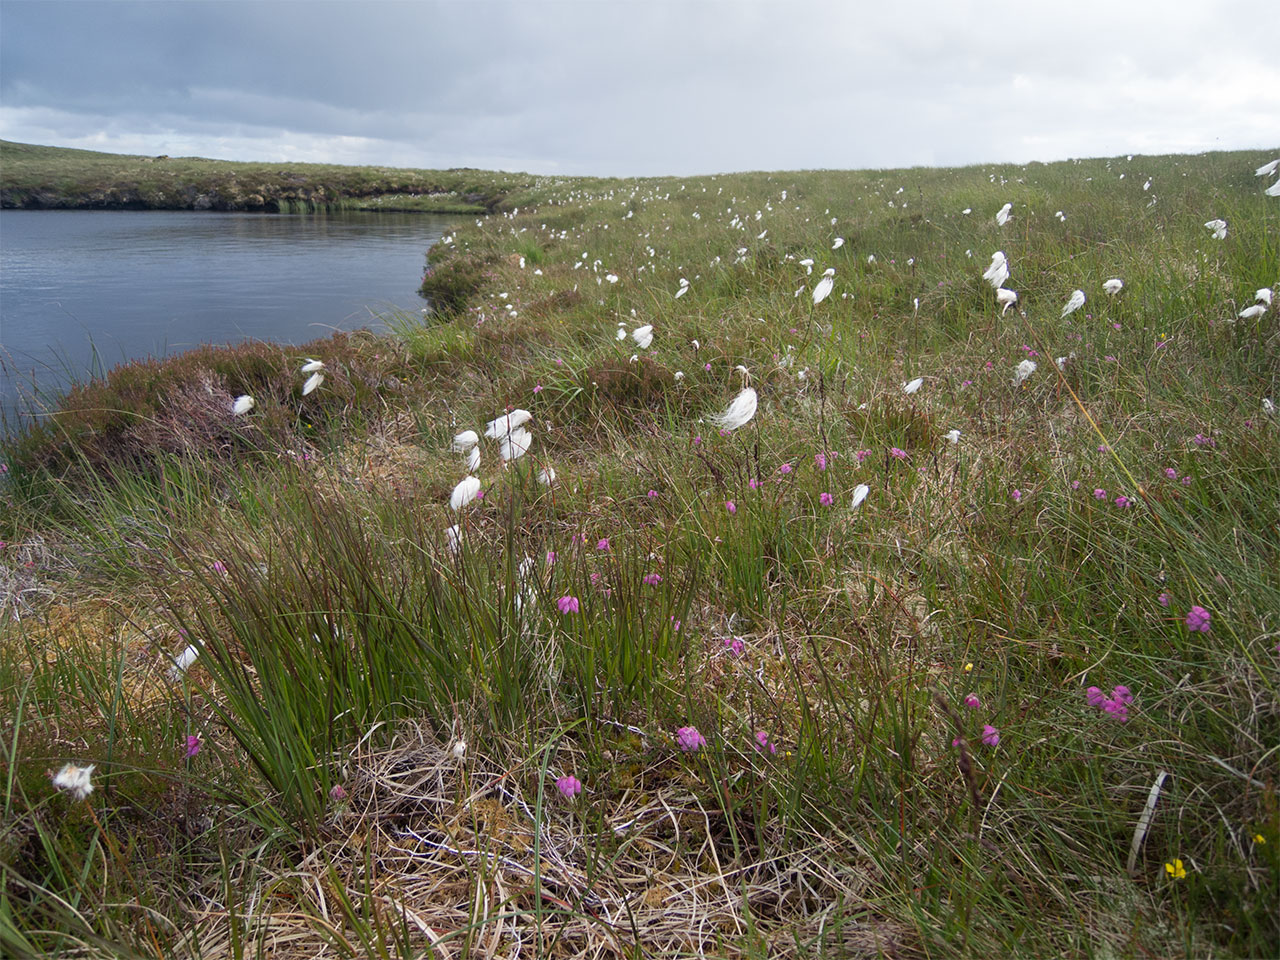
(841, 681)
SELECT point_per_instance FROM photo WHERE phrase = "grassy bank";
(980, 665)
(37, 177)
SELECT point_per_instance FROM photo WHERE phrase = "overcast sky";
(623, 88)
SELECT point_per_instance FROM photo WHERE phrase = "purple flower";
(193, 745)
(972, 702)
(1198, 619)
(990, 735)
(895, 452)
(337, 793)
(653, 579)
(219, 567)
(735, 645)
(820, 461)
(690, 739)
(568, 604)
(1095, 697)
(1201, 440)
(731, 506)
(1164, 598)
(602, 544)
(1171, 473)
(1123, 502)
(652, 494)
(826, 499)
(862, 454)
(537, 388)
(551, 557)
(1017, 495)
(762, 743)
(1099, 494)
(785, 468)
(753, 483)
(569, 787)
(1075, 484)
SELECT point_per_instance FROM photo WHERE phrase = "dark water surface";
(81, 291)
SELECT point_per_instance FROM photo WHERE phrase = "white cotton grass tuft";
(499, 427)
(473, 459)
(911, 386)
(515, 444)
(621, 334)
(953, 436)
(464, 441)
(242, 405)
(739, 412)
(1006, 299)
(1268, 406)
(547, 476)
(998, 272)
(453, 539)
(1273, 190)
(1219, 228)
(313, 382)
(825, 286)
(643, 336)
(182, 662)
(1267, 169)
(467, 490)
(1075, 303)
(1025, 369)
(859, 494)
(838, 244)
(1002, 215)
(1252, 313)
(1113, 286)
(1263, 295)
(311, 366)
(74, 780)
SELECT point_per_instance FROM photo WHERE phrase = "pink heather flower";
(219, 567)
(337, 793)
(972, 702)
(1075, 484)
(537, 388)
(652, 494)
(900, 454)
(697, 441)
(193, 745)
(602, 544)
(735, 645)
(1201, 440)
(551, 557)
(990, 735)
(690, 739)
(1103, 448)
(706, 366)
(1117, 709)
(1171, 473)
(753, 483)
(1164, 598)
(862, 455)
(820, 461)
(1099, 494)
(568, 604)
(1186, 481)
(1095, 697)
(653, 579)
(1123, 502)
(1017, 495)
(785, 468)
(595, 578)
(731, 506)
(762, 743)
(1122, 693)
(1198, 619)
(826, 499)
(569, 787)
(479, 494)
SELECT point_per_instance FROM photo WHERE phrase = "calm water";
(81, 291)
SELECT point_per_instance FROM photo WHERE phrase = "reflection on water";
(81, 291)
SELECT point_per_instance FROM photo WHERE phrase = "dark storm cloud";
(618, 88)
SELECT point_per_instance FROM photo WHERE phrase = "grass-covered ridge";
(39, 177)
(827, 681)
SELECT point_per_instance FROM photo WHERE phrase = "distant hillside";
(42, 177)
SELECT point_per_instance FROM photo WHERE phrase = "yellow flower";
(968, 668)
(1175, 870)
(1259, 838)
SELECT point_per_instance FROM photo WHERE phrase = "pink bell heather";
(972, 702)
(603, 544)
(337, 794)
(826, 499)
(569, 787)
(1099, 494)
(568, 604)
(690, 739)
(1198, 619)
(1164, 598)
(785, 468)
(193, 745)
(731, 506)
(735, 645)
(763, 744)
(652, 579)
(820, 461)
(990, 735)
(896, 452)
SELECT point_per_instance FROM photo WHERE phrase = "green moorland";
(36, 177)
(1020, 700)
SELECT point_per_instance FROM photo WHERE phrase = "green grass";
(383, 718)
